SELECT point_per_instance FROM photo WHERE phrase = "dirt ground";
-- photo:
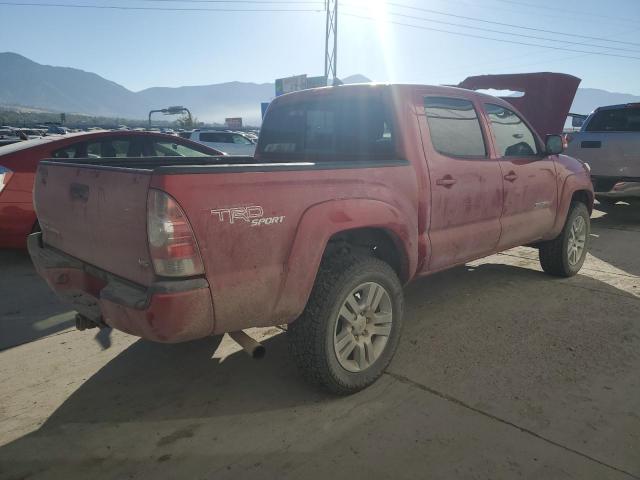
(502, 372)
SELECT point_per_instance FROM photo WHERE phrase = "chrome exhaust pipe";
(253, 348)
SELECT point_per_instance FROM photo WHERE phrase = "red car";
(18, 163)
(354, 191)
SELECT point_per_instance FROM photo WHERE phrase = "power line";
(163, 9)
(566, 10)
(514, 42)
(511, 25)
(254, 2)
(502, 32)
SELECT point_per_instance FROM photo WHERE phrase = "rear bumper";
(617, 187)
(166, 311)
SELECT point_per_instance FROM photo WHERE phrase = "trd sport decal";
(253, 215)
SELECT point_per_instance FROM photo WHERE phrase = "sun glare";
(381, 17)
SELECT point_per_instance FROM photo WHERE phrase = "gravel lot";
(502, 372)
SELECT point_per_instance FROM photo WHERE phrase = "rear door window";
(215, 137)
(71, 151)
(328, 130)
(116, 147)
(454, 127)
(166, 148)
(513, 137)
(615, 120)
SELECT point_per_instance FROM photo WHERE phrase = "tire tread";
(307, 344)
(552, 252)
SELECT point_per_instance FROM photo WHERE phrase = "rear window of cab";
(328, 130)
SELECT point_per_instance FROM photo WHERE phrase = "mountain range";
(25, 83)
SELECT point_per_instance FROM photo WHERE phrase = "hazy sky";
(139, 49)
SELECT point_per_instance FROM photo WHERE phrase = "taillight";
(5, 176)
(172, 245)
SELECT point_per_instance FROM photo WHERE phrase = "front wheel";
(350, 328)
(564, 255)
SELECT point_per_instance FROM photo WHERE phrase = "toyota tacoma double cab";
(354, 191)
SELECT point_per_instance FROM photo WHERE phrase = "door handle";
(447, 181)
(511, 177)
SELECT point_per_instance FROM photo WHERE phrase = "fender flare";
(323, 220)
(572, 184)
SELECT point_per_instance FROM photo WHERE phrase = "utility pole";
(331, 42)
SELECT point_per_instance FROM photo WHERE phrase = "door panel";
(530, 200)
(530, 186)
(466, 191)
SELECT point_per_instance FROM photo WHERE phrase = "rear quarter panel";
(262, 275)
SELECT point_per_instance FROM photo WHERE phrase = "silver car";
(233, 143)
(609, 141)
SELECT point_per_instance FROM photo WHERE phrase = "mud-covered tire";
(311, 336)
(554, 254)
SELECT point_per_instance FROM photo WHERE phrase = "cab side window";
(513, 137)
(454, 127)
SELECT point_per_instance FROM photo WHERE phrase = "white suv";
(233, 143)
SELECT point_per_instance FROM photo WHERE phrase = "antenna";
(331, 42)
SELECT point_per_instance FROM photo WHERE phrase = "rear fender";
(319, 223)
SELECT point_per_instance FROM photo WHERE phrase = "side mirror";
(554, 145)
(577, 122)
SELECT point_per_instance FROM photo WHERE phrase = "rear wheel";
(351, 325)
(564, 255)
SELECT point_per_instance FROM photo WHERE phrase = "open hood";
(547, 96)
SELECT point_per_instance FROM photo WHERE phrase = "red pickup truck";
(353, 191)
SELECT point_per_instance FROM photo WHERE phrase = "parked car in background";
(18, 163)
(609, 141)
(31, 133)
(8, 135)
(233, 143)
(354, 191)
(252, 135)
(57, 129)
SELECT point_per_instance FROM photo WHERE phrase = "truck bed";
(260, 227)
